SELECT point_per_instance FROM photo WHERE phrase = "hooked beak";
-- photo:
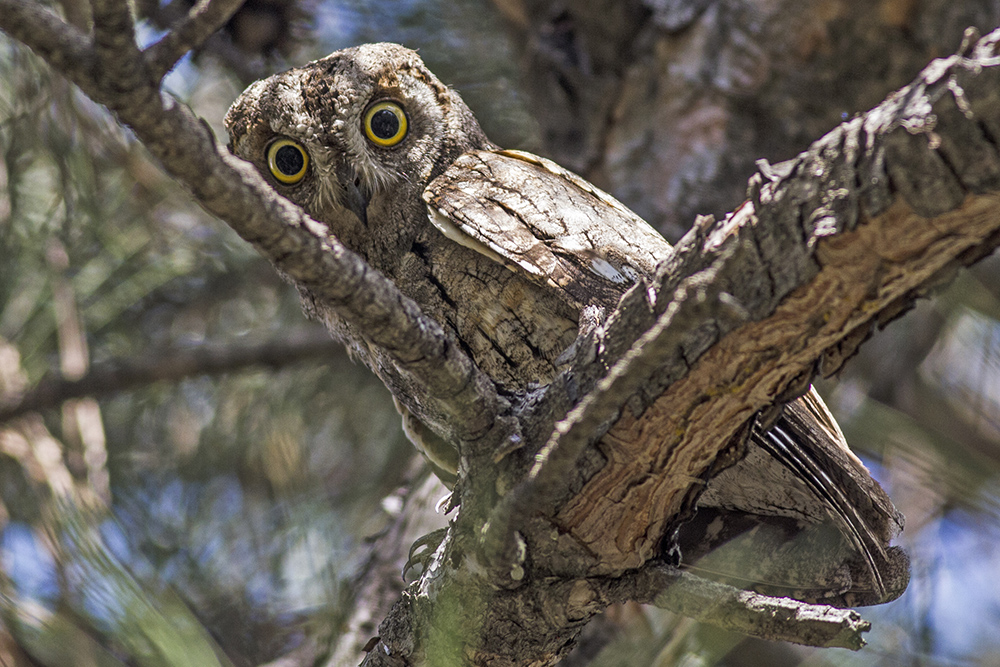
(354, 199)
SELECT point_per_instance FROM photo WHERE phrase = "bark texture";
(789, 284)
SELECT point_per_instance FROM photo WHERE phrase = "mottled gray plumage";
(515, 255)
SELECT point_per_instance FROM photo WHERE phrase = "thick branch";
(831, 246)
(842, 254)
(599, 408)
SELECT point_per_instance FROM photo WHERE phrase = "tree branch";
(205, 18)
(845, 237)
(378, 584)
(115, 376)
(777, 619)
(297, 245)
(843, 254)
(66, 49)
(692, 303)
(114, 43)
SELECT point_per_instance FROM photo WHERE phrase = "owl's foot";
(442, 455)
(423, 550)
(591, 318)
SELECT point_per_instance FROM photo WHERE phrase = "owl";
(516, 256)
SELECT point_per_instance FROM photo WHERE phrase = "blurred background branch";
(117, 375)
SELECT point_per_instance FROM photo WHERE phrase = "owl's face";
(358, 133)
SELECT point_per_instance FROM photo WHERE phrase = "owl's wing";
(535, 217)
(800, 516)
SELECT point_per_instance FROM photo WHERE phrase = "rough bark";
(843, 242)
(828, 247)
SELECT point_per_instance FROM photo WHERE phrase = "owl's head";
(365, 125)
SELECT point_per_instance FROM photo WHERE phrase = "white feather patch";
(445, 225)
(604, 269)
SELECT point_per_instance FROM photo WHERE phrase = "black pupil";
(385, 125)
(289, 160)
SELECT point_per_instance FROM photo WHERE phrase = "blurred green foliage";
(244, 494)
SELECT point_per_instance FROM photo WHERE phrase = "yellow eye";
(287, 161)
(385, 124)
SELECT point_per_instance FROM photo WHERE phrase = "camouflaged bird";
(515, 255)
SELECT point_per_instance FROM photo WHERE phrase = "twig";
(39, 454)
(205, 18)
(780, 619)
(83, 427)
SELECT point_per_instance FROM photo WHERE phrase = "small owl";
(516, 256)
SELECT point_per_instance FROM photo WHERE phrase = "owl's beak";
(354, 199)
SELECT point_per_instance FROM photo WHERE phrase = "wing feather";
(529, 213)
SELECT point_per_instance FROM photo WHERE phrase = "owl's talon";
(441, 454)
(446, 504)
(426, 545)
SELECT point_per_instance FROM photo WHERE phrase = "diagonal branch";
(830, 247)
(205, 18)
(297, 245)
(867, 220)
(695, 300)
